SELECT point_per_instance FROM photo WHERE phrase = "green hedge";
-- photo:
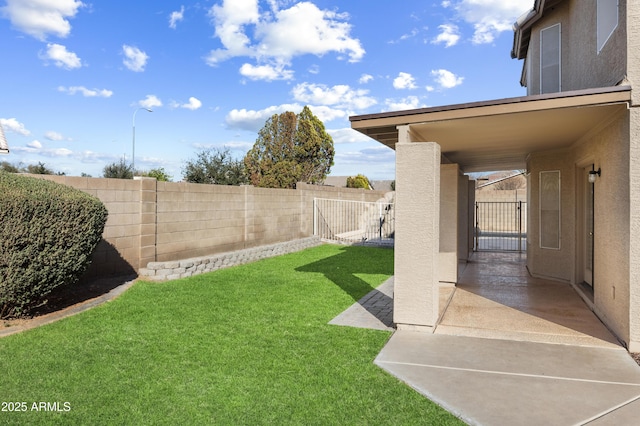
(48, 232)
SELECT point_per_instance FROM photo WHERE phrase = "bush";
(48, 232)
(360, 181)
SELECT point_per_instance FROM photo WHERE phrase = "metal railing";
(352, 222)
(501, 226)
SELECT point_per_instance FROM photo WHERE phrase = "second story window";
(550, 59)
(607, 20)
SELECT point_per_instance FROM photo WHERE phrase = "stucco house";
(577, 135)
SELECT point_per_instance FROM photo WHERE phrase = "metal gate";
(501, 226)
(352, 222)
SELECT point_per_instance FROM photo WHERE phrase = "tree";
(360, 181)
(290, 148)
(9, 168)
(215, 166)
(159, 173)
(118, 170)
(39, 169)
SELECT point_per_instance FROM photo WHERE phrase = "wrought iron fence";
(352, 222)
(501, 226)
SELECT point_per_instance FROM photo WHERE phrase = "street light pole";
(133, 150)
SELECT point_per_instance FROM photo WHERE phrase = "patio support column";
(417, 237)
(633, 75)
(450, 210)
(634, 226)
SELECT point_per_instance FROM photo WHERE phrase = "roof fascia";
(495, 107)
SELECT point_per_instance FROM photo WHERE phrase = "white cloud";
(40, 18)
(253, 120)
(151, 101)
(340, 96)
(414, 32)
(326, 113)
(13, 125)
(57, 152)
(266, 72)
(347, 135)
(446, 79)
(53, 136)
(365, 78)
(61, 57)
(279, 35)
(489, 17)
(175, 17)
(410, 102)
(378, 154)
(134, 58)
(449, 35)
(404, 81)
(89, 93)
(34, 144)
(193, 104)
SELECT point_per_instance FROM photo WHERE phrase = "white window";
(550, 59)
(607, 21)
(550, 209)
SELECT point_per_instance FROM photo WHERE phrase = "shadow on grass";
(343, 270)
(107, 271)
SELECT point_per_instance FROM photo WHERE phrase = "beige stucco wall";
(634, 220)
(449, 218)
(582, 66)
(544, 262)
(607, 148)
(417, 242)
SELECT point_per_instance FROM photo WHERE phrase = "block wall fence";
(151, 221)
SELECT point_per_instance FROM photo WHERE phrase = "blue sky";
(75, 72)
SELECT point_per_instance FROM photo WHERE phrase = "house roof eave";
(498, 134)
(522, 27)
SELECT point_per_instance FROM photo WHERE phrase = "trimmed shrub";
(48, 232)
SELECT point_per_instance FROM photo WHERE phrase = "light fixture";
(593, 175)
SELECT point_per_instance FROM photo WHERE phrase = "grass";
(244, 345)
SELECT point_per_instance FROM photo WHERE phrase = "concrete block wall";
(193, 218)
(152, 221)
(505, 195)
(119, 251)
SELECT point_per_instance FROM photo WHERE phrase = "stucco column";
(633, 75)
(449, 222)
(417, 233)
(634, 226)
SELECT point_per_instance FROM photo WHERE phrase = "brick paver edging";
(171, 270)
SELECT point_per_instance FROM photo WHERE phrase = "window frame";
(605, 8)
(544, 203)
(542, 52)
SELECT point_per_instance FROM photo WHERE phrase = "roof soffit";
(498, 135)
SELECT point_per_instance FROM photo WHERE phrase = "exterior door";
(588, 227)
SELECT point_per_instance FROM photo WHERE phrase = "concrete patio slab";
(498, 382)
(510, 349)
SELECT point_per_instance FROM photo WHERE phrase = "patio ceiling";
(500, 134)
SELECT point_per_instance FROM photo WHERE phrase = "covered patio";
(437, 147)
(509, 349)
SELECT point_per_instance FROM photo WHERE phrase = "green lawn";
(244, 345)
